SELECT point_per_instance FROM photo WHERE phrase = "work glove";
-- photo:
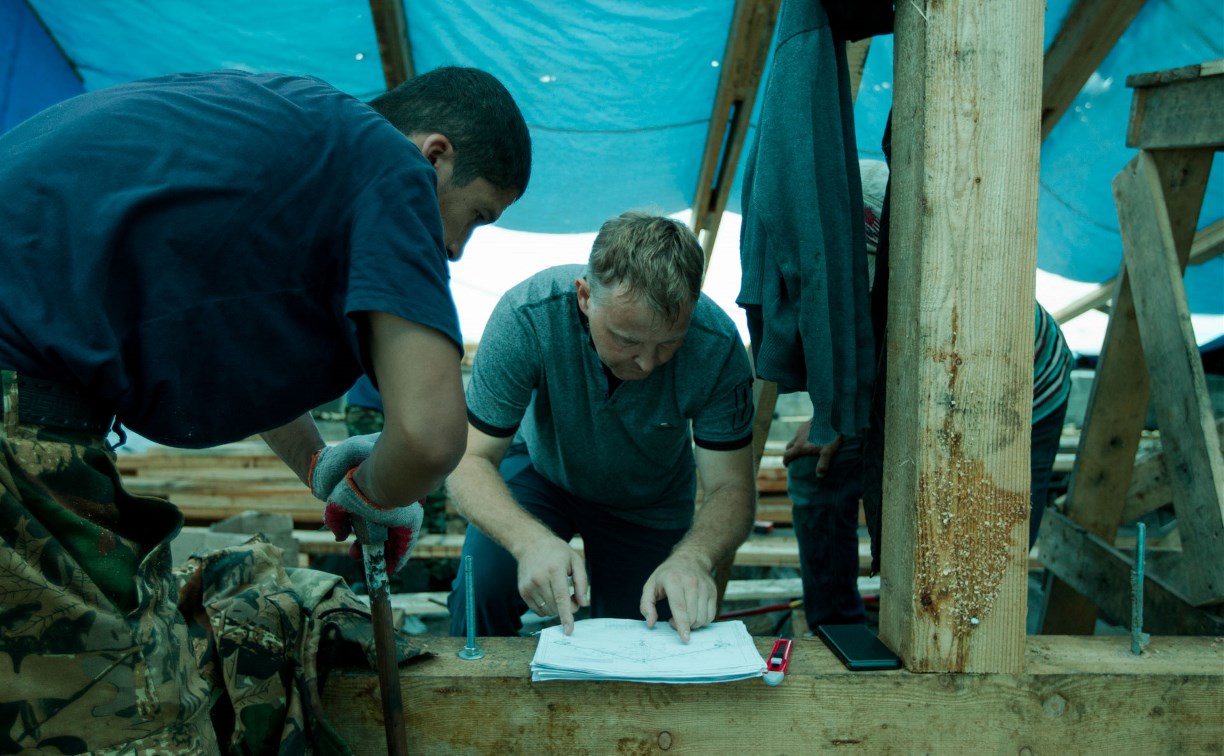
(345, 501)
(330, 464)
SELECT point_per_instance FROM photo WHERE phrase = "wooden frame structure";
(953, 582)
(1175, 124)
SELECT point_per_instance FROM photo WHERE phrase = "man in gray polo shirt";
(596, 396)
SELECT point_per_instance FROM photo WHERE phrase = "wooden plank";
(209, 495)
(956, 471)
(1089, 31)
(1149, 488)
(768, 551)
(1098, 570)
(743, 62)
(433, 603)
(238, 455)
(1180, 110)
(1079, 695)
(1208, 245)
(776, 509)
(394, 49)
(1113, 421)
(1179, 388)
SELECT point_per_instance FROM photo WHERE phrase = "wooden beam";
(1208, 245)
(394, 48)
(1102, 572)
(772, 551)
(1177, 109)
(1149, 488)
(1156, 261)
(856, 61)
(1078, 695)
(956, 468)
(1089, 31)
(752, 28)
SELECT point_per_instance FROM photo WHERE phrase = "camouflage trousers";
(94, 655)
(104, 648)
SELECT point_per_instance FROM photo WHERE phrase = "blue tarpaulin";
(618, 93)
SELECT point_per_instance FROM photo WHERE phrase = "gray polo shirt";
(536, 373)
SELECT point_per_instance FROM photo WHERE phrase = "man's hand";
(689, 590)
(330, 464)
(799, 446)
(331, 480)
(544, 569)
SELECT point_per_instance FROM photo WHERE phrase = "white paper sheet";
(621, 649)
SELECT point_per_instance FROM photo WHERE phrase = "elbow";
(440, 454)
(426, 455)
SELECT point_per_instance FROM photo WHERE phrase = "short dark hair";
(657, 259)
(476, 113)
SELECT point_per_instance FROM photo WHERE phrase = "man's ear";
(437, 148)
(584, 295)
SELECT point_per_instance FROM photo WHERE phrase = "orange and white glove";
(331, 480)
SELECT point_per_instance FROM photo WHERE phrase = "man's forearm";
(295, 443)
(723, 522)
(481, 496)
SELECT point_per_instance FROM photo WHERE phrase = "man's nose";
(455, 248)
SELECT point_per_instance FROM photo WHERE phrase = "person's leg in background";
(1043, 450)
(825, 512)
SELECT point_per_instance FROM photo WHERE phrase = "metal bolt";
(1139, 639)
(471, 650)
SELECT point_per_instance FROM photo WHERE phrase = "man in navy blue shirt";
(201, 257)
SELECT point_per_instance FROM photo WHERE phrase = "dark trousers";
(826, 524)
(1043, 449)
(620, 556)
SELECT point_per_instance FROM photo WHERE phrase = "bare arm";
(721, 525)
(545, 561)
(295, 443)
(424, 416)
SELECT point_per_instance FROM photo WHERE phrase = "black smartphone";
(858, 648)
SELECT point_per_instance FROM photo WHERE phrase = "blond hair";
(657, 259)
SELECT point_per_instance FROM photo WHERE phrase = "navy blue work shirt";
(195, 250)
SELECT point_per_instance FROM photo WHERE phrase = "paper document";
(622, 649)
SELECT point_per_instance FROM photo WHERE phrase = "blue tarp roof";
(618, 93)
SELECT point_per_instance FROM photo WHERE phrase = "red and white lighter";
(775, 667)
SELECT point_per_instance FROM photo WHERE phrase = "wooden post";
(394, 49)
(966, 141)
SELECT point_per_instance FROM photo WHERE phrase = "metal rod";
(378, 586)
(1139, 639)
(471, 650)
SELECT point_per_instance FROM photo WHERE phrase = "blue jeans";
(825, 512)
(620, 556)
